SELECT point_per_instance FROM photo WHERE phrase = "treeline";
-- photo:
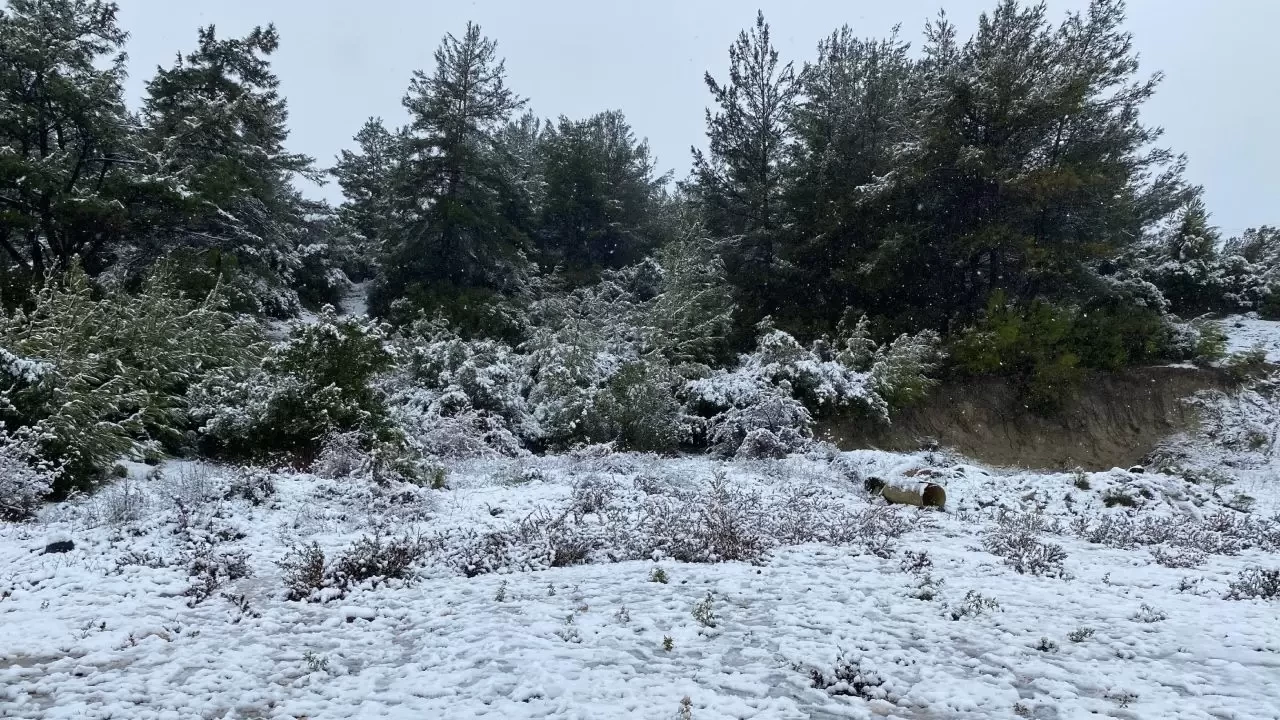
(907, 184)
(853, 218)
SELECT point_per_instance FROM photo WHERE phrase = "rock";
(59, 546)
(1137, 469)
(351, 614)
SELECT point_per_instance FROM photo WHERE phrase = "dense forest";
(860, 224)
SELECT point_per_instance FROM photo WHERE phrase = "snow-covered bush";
(319, 278)
(1016, 538)
(318, 382)
(445, 425)
(761, 443)
(900, 370)
(721, 522)
(581, 341)
(637, 409)
(92, 376)
(1260, 583)
(691, 319)
(489, 373)
(782, 386)
(341, 455)
(25, 479)
(460, 398)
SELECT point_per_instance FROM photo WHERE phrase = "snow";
(103, 631)
(356, 301)
(1245, 332)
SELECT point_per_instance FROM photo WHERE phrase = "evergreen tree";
(854, 113)
(216, 121)
(740, 180)
(69, 186)
(599, 194)
(1031, 164)
(371, 180)
(459, 236)
(520, 154)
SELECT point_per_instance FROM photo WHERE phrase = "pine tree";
(459, 235)
(740, 180)
(216, 121)
(1031, 163)
(854, 114)
(600, 190)
(372, 180)
(69, 187)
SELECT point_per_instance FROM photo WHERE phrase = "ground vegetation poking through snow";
(617, 585)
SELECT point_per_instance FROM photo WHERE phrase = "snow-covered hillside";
(1246, 333)
(171, 604)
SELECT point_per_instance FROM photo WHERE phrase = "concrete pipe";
(920, 494)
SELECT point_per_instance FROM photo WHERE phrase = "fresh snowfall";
(618, 585)
(519, 424)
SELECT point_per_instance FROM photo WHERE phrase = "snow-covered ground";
(555, 587)
(1245, 333)
(882, 597)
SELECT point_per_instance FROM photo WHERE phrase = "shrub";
(484, 376)
(25, 479)
(760, 444)
(91, 376)
(637, 407)
(1114, 497)
(782, 385)
(252, 484)
(1080, 634)
(304, 571)
(317, 383)
(1258, 583)
(901, 370)
(210, 571)
(1048, 346)
(704, 611)
(974, 605)
(375, 559)
(1148, 614)
(445, 425)
(848, 678)
(308, 575)
(1250, 363)
(1015, 539)
(721, 523)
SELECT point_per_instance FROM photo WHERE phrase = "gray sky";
(342, 61)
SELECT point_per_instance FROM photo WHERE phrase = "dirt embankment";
(1114, 422)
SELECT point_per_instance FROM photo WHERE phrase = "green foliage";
(1049, 346)
(471, 311)
(1115, 497)
(637, 407)
(370, 180)
(112, 370)
(459, 226)
(317, 383)
(599, 191)
(692, 316)
(68, 187)
(216, 124)
(901, 370)
(1250, 363)
(740, 181)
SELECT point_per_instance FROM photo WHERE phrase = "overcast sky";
(342, 61)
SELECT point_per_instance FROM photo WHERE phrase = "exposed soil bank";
(1115, 421)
